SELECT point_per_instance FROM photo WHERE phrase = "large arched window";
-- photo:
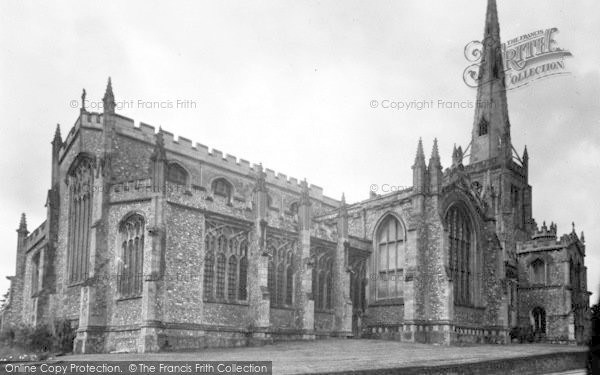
(538, 272)
(177, 174)
(225, 265)
(81, 182)
(280, 278)
(132, 256)
(389, 258)
(461, 254)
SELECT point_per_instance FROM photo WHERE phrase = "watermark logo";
(527, 58)
(98, 105)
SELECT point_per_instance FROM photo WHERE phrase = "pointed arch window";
(389, 258)
(483, 126)
(177, 174)
(223, 188)
(538, 320)
(281, 272)
(322, 285)
(129, 281)
(81, 181)
(460, 254)
(225, 265)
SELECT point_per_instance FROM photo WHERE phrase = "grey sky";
(288, 84)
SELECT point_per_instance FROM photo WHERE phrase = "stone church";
(155, 243)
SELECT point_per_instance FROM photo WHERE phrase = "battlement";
(545, 238)
(184, 146)
(544, 232)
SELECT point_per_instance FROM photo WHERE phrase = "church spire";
(491, 126)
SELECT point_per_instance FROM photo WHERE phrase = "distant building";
(153, 243)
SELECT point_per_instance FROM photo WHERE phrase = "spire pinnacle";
(491, 126)
(420, 158)
(435, 153)
(57, 140)
(109, 98)
(22, 224)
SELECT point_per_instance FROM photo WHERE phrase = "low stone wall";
(537, 364)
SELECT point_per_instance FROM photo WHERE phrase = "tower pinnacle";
(109, 98)
(491, 126)
(23, 224)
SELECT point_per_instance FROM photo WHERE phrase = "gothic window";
(81, 182)
(329, 286)
(221, 276)
(35, 273)
(280, 277)
(209, 266)
(223, 188)
(232, 277)
(322, 286)
(389, 258)
(483, 126)
(538, 317)
(538, 271)
(460, 238)
(132, 256)
(225, 264)
(243, 279)
(176, 174)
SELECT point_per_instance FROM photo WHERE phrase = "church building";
(155, 243)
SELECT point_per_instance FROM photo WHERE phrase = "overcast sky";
(289, 84)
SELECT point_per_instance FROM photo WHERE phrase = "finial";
(343, 199)
(573, 224)
(83, 94)
(582, 238)
(525, 154)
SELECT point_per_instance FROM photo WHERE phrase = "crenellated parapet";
(184, 147)
(545, 238)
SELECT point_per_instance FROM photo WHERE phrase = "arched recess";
(463, 253)
(223, 187)
(178, 174)
(388, 259)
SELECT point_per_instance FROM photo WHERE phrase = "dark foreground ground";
(364, 356)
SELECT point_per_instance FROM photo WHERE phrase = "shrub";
(55, 337)
(523, 334)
